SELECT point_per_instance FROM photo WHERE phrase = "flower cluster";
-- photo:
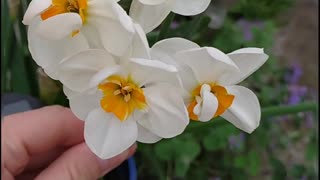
(126, 91)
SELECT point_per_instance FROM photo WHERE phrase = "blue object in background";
(132, 168)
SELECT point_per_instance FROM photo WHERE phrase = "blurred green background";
(284, 146)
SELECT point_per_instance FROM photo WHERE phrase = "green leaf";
(19, 80)
(165, 149)
(278, 169)
(253, 163)
(297, 171)
(218, 137)
(6, 45)
(312, 150)
(240, 162)
(187, 150)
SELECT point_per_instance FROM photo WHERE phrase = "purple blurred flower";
(296, 94)
(246, 26)
(304, 177)
(294, 76)
(236, 141)
(174, 24)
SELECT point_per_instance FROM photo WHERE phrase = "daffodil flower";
(134, 100)
(209, 78)
(150, 13)
(60, 28)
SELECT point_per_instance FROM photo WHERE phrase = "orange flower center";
(224, 100)
(121, 96)
(65, 6)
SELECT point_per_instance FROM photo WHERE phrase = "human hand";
(47, 144)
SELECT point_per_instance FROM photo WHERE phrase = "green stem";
(265, 112)
(165, 27)
(284, 109)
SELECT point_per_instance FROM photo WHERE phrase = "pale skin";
(48, 144)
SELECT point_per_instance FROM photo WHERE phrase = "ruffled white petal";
(77, 71)
(208, 64)
(114, 26)
(140, 46)
(190, 7)
(248, 61)
(165, 51)
(35, 8)
(209, 104)
(168, 47)
(59, 26)
(150, 16)
(92, 36)
(145, 136)
(167, 115)
(106, 136)
(47, 53)
(244, 112)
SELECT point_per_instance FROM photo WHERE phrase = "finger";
(80, 163)
(44, 159)
(28, 175)
(29, 133)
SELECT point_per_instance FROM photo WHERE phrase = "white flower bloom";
(209, 77)
(60, 28)
(150, 13)
(136, 100)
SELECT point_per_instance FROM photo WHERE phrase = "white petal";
(209, 106)
(150, 16)
(68, 92)
(82, 103)
(140, 46)
(107, 136)
(244, 112)
(77, 71)
(145, 136)
(168, 47)
(152, 2)
(47, 53)
(35, 7)
(114, 37)
(167, 115)
(92, 36)
(248, 61)
(208, 64)
(165, 51)
(114, 26)
(190, 7)
(67, 23)
(103, 74)
(147, 72)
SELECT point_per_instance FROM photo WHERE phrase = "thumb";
(80, 163)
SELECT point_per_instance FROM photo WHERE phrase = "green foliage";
(218, 138)
(181, 150)
(253, 9)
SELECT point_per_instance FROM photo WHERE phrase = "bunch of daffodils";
(126, 91)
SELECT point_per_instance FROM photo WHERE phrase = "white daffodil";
(60, 28)
(150, 13)
(209, 77)
(136, 100)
